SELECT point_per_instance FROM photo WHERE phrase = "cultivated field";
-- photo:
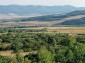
(67, 30)
(73, 30)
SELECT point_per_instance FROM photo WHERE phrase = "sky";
(77, 3)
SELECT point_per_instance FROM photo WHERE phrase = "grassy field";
(12, 55)
(57, 29)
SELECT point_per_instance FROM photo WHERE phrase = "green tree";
(79, 52)
(45, 56)
(16, 46)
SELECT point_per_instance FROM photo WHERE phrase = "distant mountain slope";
(77, 12)
(75, 18)
(56, 17)
(72, 18)
(31, 9)
(80, 21)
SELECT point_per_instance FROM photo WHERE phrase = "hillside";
(75, 18)
(72, 18)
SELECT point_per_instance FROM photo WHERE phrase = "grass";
(12, 55)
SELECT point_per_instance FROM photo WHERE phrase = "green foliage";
(5, 60)
(19, 59)
(16, 46)
(45, 56)
(81, 39)
(49, 48)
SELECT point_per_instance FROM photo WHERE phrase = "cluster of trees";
(49, 48)
(18, 29)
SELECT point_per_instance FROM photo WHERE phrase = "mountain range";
(37, 9)
(18, 15)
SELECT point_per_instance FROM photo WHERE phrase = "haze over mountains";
(16, 15)
(74, 18)
(36, 9)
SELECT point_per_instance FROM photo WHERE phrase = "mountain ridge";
(34, 9)
(74, 18)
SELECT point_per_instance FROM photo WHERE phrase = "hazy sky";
(78, 3)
